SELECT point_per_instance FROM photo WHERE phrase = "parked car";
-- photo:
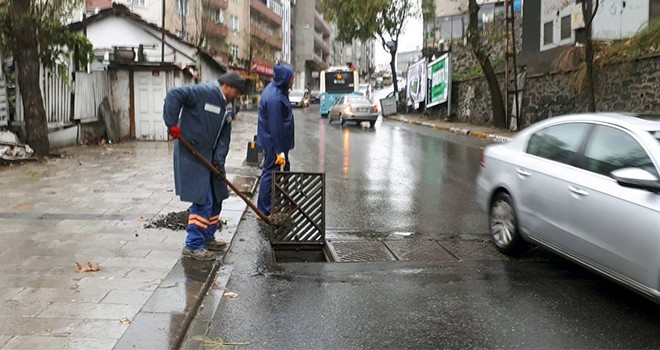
(355, 108)
(299, 98)
(379, 83)
(365, 89)
(314, 96)
(585, 187)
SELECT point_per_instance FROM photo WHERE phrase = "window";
(234, 51)
(234, 24)
(548, 30)
(182, 34)
(138, 2)
(218, 15)
(610, 149)
(559, 143)
(565, 28)
(182, 7)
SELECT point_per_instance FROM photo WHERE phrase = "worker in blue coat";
(202, 115)
(275, 130)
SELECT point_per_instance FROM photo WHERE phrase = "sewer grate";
(472, 250)
(355, 251)
(419, 250)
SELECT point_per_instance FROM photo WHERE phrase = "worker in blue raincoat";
(202, 115)
(275, 130)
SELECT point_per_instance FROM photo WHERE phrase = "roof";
(119, 10)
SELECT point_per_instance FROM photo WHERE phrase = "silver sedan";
(585, 187)
(353, 108)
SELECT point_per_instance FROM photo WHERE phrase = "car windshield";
(296, 93)
(358, 100)
(656, 134)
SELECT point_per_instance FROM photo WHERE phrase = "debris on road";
(230, 295)
(216, 344)
(125, 321)
(175, 221)
(88, 267)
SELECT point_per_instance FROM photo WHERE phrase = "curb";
(460, 131)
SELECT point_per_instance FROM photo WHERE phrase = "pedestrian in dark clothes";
(275, 130)
(202, 115)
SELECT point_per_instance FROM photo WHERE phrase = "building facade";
(312, 44)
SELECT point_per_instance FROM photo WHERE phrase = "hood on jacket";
(282, 77)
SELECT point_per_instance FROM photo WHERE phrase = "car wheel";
(372, 124)
(503, 225)
(341, 120)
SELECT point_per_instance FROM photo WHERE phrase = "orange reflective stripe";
(198, 217)
(214, 220)
(214, 217)
(197, 223)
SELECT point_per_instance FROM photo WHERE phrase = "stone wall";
(628, 87)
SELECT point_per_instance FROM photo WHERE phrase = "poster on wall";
(438, 81)
(416, 89)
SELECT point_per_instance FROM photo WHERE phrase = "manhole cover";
(353, 251)
(418, 250)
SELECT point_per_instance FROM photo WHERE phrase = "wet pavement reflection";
(392, 181)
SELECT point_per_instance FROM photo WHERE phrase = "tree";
(589, 53)
(365, 19)
(474, 38)
(33, 31)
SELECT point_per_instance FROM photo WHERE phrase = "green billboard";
(438, 75)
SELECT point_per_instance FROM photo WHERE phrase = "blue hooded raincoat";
(275, 129)
(205, 123)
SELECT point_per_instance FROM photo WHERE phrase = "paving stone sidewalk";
(486, 133)
(92, 205)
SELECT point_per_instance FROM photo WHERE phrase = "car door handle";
(523, 173)
(578, 191)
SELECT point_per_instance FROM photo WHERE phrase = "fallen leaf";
(87, 267)
(230, 295)
(218, 343)
(125, 321)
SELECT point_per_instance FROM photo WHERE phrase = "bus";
(336, 82)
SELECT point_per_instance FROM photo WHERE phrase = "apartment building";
(358, 54)
(312, 43)
(266, 40)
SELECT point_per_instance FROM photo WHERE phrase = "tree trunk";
(474, 37)
(394, 73)
(589, 57)
(26, 55)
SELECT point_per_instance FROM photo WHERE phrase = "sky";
(411, 39)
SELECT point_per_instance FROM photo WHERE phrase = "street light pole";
(162, 38)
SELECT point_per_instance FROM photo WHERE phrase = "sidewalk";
(486, 133)
(92, 205)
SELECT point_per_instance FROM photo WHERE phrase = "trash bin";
(388, 104)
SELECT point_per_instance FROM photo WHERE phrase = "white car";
(299, 98)
(586, 187)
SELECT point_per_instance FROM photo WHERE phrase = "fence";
(89, 89)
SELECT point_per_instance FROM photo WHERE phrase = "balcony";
(318, 42)
(320, 24)
(216, 30)
(261, 8)
(271, 40)
(220, 4)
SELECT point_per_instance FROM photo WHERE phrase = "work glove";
(280, 160)
(174, 131)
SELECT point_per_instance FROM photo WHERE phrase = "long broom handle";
(216, 172)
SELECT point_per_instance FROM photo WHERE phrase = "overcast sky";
(411, 39)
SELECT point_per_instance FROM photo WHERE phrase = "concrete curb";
(461, 131)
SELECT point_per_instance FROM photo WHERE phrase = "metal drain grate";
(419, 250)
(301, 196)
(472, 250)
(355, 251)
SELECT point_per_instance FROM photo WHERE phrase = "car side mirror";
(636, 178)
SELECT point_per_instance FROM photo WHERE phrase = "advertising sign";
(438, 81)
(416, 90)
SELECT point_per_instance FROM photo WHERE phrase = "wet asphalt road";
(387, 183)
(391, 181)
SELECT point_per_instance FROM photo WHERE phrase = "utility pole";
(511, 71)
(162, 38)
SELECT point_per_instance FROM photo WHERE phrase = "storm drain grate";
(472, 250)
(300, 196)
(419, 250)
(356, 251)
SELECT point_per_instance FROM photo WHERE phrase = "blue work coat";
(275, 129)
(205, 121)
